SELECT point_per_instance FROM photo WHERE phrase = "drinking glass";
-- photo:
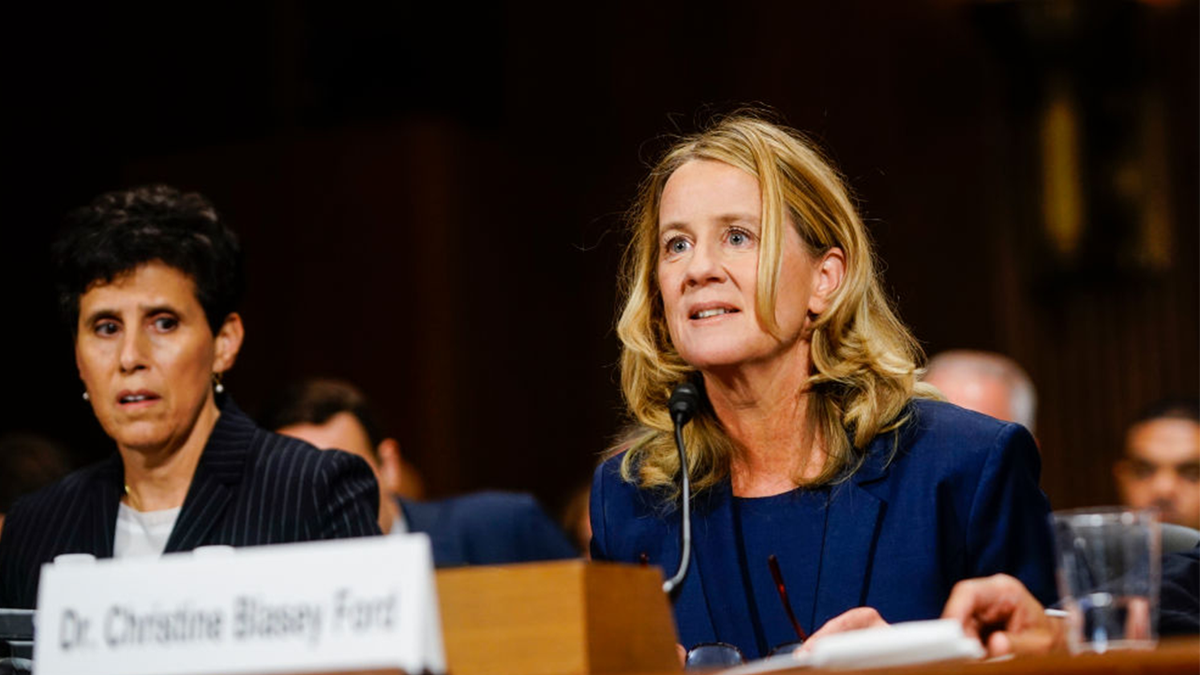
(1108, 565)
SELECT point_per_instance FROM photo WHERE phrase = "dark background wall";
(431, 196)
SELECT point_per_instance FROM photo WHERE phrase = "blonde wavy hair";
(864, 360)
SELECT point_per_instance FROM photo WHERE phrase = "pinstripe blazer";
(251, 487)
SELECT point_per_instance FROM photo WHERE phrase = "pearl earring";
(86, 397)
(217, 386)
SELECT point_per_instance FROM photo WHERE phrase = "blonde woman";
(750, 274)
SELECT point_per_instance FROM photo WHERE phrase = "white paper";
(893, 645)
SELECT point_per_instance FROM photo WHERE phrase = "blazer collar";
(218, 474)
(855, 509)
(434, 519)
(105, 501)
(715, 562)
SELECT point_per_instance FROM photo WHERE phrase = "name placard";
(349, 605)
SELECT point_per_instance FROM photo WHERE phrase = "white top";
(399, 525)
(143, 533)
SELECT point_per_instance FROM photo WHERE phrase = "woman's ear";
(228, 343)
(390, 466)
(827, 279)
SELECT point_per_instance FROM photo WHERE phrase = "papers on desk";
(895, 645)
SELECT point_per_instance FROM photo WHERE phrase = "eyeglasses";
(711, 655)
(724, 655)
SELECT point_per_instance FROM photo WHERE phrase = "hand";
(855, 619)
(1004, 616)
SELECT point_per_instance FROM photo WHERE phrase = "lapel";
(102, 509)
(432, 519)
(218, 476)
(856, 510)
(716, 564)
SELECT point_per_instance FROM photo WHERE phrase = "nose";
(133, 351)
(1163, 484)
(704, 265)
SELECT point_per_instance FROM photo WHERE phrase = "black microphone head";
(684, 402)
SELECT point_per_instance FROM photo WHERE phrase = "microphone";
(683, 404)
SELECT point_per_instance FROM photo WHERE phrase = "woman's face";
(147, 355)
(709, 233)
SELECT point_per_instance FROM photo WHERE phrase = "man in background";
(483, 528)
(985, 382)
(1161, 466)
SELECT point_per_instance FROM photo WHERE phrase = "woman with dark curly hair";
(148, 281)
(750, 274)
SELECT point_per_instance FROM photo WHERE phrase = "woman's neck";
(764, 410)
(389, 511)
(159, 478)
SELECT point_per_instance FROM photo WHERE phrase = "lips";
(135, 398)
(709, 310)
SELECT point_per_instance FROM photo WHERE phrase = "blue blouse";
(790, 526)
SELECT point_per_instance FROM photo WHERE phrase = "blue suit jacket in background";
(960, 499)
(488, 528)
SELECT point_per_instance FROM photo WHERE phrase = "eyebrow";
(100, 314)
(146, 310)
(724, 219)
(151, 310)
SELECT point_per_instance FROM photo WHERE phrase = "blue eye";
(166, 323)
(739, 238)
(106, 328)
(676, 245)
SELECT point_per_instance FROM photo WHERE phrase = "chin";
(141, 439)
(715, 360)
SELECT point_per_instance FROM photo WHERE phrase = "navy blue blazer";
(488, 528)
(251, 487)
(1179, 602)
(960, 499)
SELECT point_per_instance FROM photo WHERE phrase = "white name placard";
(355, 604)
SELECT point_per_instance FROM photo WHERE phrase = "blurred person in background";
(576, 520)
(985, 382)
(1161, 466)
(28, 462)
(483, 528)
(148, 282)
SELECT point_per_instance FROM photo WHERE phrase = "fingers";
(1041, 640)
(994, 597)
(998, 644)
(998, 601)
(854, 619)
(1001, 612)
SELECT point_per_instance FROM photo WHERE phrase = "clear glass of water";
(1108, 576)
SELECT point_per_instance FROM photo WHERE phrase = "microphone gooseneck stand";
(684, 402)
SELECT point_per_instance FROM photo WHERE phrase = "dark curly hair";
(122, 230)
